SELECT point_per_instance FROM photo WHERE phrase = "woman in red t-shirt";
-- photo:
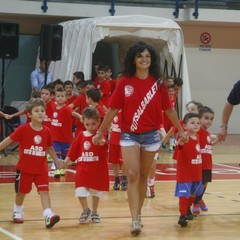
(142, 98)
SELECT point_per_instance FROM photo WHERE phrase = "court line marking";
(227, 166)
(11, 235)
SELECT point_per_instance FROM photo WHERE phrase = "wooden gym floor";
(159, 216)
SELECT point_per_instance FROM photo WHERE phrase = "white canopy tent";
(80, 38)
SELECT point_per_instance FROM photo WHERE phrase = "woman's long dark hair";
(129, 68)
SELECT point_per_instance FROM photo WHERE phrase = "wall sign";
(205, 39)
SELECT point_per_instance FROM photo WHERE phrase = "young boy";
(68, 87)
(167, 123)
(34, 143)
(79, 104)
(77, 77)
(93, 96)
(103, 85)
(207, 140)
(115, 154)
(62, 122)
(92, 169)
(47, 97)
(189, 168)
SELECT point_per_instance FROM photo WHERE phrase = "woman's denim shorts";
(150, 140)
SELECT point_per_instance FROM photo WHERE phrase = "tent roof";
(80, 38)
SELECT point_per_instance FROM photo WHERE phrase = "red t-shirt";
(206, 148)
(113, 84)
(189, 161)
(92, 166)
(49, 112)
(142, 103)
(62, 122)
(81, 104)
(101, 111)
(32, 148)
(115, 134)
(105, 89)
(71, 99)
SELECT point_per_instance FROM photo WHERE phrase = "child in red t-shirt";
(34, 143)
(167, 123)
(112, 81)
(62, 122)
(207, 140)
(189, 168)
(92, 170)
(115, 154)
(68, 87)
(79, 104)
(103, 85)
(93, 96)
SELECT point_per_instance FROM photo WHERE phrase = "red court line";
(164, 172)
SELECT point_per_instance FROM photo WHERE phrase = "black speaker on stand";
(9, 46)
(50, 44)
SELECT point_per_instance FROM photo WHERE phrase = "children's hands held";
(61, 164)
(183, 138)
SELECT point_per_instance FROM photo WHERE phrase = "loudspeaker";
(51, 42)
(9, 40)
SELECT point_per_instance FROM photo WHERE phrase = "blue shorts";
(150, 140)
(61, 148)
(189, 188)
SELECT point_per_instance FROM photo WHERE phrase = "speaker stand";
(46, 71)
(3, 121)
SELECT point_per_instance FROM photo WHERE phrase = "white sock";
(47, 212)
(171, 141)
(151, 181)
(156, 157)
(18, 209)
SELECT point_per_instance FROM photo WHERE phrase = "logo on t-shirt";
(86, 145)
(115, 119)
(55, 114)
(198, 147)
(129, 90)
(37, 139)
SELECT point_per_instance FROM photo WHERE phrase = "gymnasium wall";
(213, 67)
(213, 56)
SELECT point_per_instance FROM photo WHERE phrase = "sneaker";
(183, 221)
(189, 214)
(51, 220)
(116, 185)
(85, 216)
(62, 172)
(150, 192)
(195, 210)
(49, 159)
(124, 185)
(57, 173)
(53, 167)
(136, 228)
(164, 145)
(95, 218)
(202, 205)
(17, 217)
(171, 149)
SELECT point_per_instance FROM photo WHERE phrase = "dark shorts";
(150, 140)
(206, 176)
